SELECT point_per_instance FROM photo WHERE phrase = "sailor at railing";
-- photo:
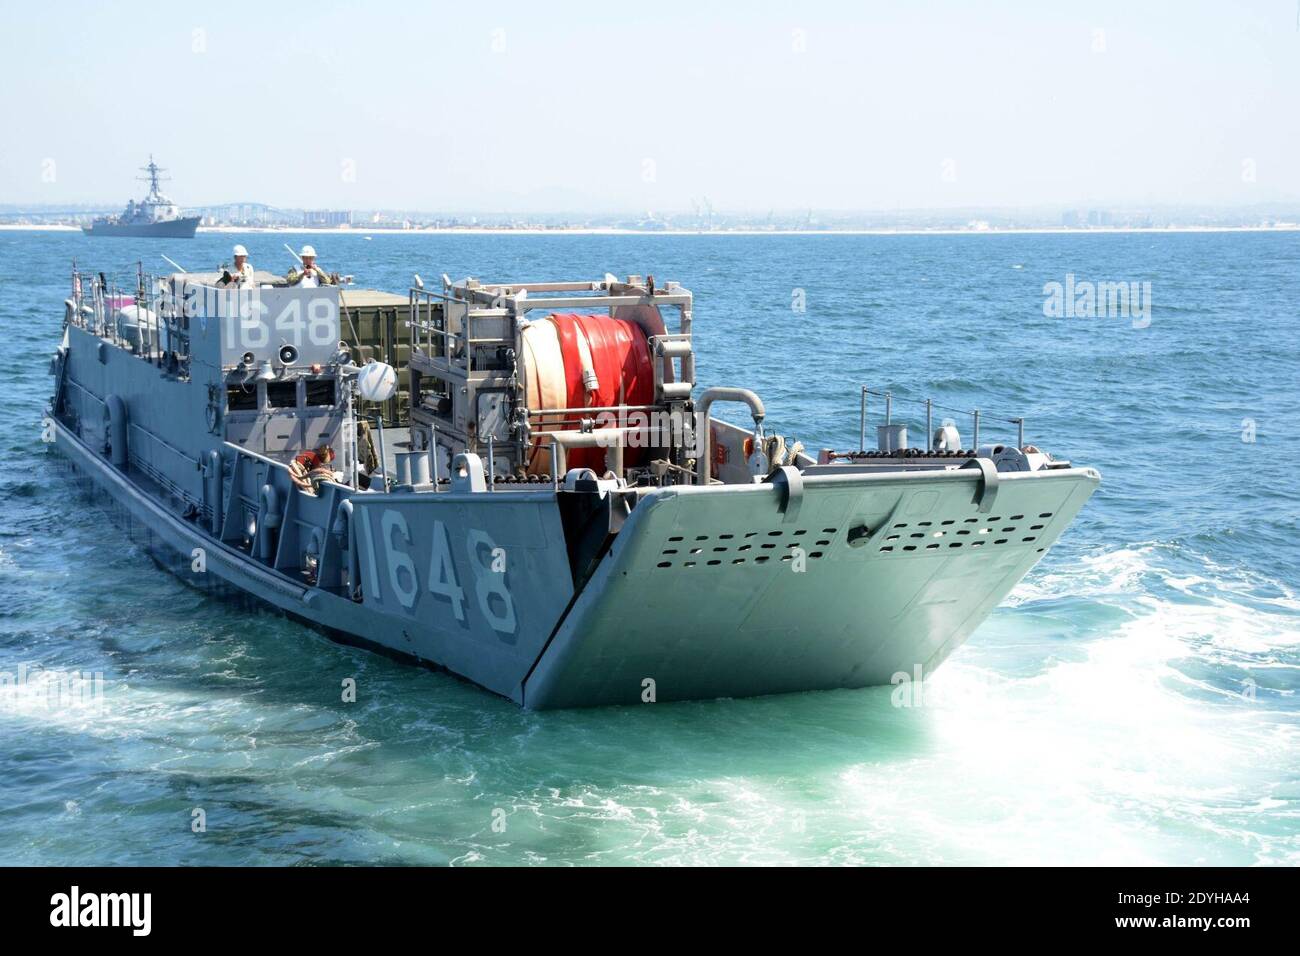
(311, 275)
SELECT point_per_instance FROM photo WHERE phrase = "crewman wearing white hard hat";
(311, 274)
(241, 273)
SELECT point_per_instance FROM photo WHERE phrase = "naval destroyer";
(153, 217)
(549, 508)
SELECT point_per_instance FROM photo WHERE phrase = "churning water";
(1134, 701)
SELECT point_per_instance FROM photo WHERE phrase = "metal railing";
(930, 405)
(161, 333)
(425, 329)
(430, 326)
(482, 302)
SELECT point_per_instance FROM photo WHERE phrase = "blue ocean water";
(1133, 702)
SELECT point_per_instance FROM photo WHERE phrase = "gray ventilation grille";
(743, 547)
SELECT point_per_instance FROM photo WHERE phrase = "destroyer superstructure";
(155, 216)
(554, 513)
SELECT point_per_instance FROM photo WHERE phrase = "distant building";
(326, 218)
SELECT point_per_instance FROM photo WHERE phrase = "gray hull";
(725, 614)
(171, 229)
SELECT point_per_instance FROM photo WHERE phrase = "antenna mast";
(153, 179)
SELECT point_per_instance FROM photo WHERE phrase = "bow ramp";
(808, 582)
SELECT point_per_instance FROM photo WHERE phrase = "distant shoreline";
(496, 231)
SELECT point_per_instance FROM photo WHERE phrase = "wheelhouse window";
(281, 394)
(320, 391)
(240, 399)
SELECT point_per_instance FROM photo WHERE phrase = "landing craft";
(549, 508)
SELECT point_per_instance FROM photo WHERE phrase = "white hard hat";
(240, 251)
(308, 251)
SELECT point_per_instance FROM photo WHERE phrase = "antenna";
(153, 179)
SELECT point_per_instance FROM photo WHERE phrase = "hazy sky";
(602, 106)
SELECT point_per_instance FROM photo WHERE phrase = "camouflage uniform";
(295, 277)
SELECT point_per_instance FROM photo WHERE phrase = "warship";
(549, 507)
(154, 217)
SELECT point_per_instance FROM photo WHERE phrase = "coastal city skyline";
(700, 217)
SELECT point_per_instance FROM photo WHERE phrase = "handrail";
(722, 393)
(95, 289)
(930, 405)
